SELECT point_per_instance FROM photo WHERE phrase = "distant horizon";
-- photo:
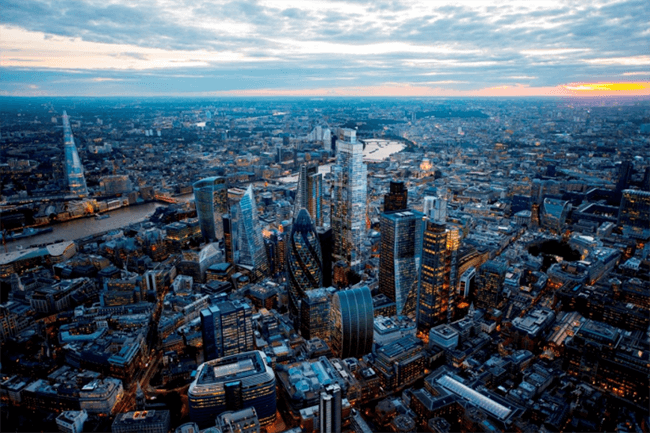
(359, 48)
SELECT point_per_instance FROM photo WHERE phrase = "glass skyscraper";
(398, 260)
(250, 244)
(309, 193)
(304, 261)
(211, 198)
(352, 318)
(74, 171)
(489, 284)
(634, 213)
(227, 329)
(349, 196)
(438, 275)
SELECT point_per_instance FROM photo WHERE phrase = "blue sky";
(314, 47)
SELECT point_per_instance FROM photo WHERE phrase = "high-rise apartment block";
(349, 196)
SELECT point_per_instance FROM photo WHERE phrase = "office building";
(398, 261)
(315, 315)
(349, 196)
(241, 421)
(71, 421)
(326, 240)
(309, 194)
(397, 197)
(233, 383)
(227, 329)
(554, 213)
(74, 171)
(352, 323)
(330, 413)
(634, 213)
(211, 199)
(249, 249)
(437, 275)
(489, 284)
(146, 421)
(304, 261)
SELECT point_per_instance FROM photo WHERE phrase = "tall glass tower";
(211, 198)
(227, 329)
(74, 171)
(438, 275)
(304, 261)
(250, 243)
(398, 261)
(349, 195)
(309, 194)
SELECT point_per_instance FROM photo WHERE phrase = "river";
(82, 227)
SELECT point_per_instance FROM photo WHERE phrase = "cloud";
(290, 43)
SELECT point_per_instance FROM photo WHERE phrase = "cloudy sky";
(321, 47)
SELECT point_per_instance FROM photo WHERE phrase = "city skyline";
(290, 48)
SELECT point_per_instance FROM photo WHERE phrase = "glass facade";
(74, 171)
(250, 244)
(227, 329)
(213, 392)
(634, 213)
(349, 196)
(433, 293)
(211, 199)
(490, 284)
(315, 315)
(398, 261)
(309, 193)
(304, 261)
(352, 323)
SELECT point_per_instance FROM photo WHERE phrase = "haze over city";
(318, 48)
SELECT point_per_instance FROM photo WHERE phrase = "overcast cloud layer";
(318, 47)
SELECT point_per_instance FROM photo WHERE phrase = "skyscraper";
(74, 171)
(349, 195)
(309, 193)
(438, 275)
(634, 213)
(330, 413)
(211, 199)
(352, 319)
(398, 260)
(315, 315)
(227, 329)
(397, 197)
(250, 244)
(489, 284)
(304, 261)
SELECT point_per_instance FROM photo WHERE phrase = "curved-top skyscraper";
(304, 261)
(211, 199)
(352, 323)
